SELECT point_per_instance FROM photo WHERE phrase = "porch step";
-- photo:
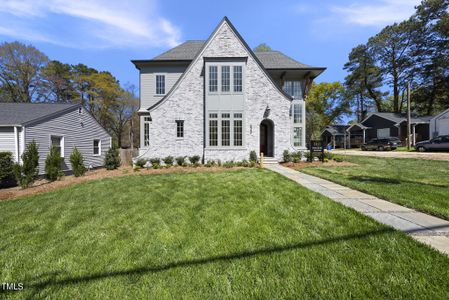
(270, 161)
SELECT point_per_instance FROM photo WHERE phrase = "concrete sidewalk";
(395, 154)
(422, 227)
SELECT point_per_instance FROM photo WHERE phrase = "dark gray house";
(335, 135)
(384, 125)
(64, 125)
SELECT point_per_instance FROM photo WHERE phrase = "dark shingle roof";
(336, 129)
(399, 118)
(269, 59)
(21, 113)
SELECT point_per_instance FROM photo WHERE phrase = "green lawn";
(418, 184)
(241, 234)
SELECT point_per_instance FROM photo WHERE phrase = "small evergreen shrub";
(194, 160)
(141, 162)
(27, 172)
(328, 155)
(77, 163)
(253, 156)
(155, 163)
(252, 164)
(296, 156)
(112, 159)
(168, 161)
(210, 163)
(6, 168)
(180, 160)
(245, 163)
(53, 162)
(287, 156)
(229, 164)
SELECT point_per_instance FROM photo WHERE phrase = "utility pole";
(408, 117)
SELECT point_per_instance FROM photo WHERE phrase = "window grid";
(225, 78)
(146, 133)
(237, 73)
(293, 88)
(213, 79)
(180, 128)
(238, 132)
(160, 84)
(297, 136)
(96, 147)
(297, 113)
(213, 132)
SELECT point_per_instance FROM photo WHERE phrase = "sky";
(107, 34)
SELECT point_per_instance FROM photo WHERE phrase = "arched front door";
(267, 138)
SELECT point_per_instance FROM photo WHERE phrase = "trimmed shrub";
(328, 155)
(253, 156)
(77, 163)
(6, 168)
(287, 156)
(112, 159)
(296, 156)
(141, 162)
(53, 161)
(229, 164)
(194, 160)
(27, 172)
(338, 159)
(180, 160)
(168, 161)
(210, 163)
(252, 164)
(245, 163)
(155, 163)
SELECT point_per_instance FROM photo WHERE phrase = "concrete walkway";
(395, 154)
(422, 227)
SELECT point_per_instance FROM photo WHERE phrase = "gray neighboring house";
(439, 125)
(65, 125)
(220, 100)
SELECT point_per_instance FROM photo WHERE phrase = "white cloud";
(377, 13)
(88, 23)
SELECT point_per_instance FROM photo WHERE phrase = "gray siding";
(77, 130)
(439, 125)
(148, 95)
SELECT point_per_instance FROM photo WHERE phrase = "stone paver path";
(395, 154)
(422, 227)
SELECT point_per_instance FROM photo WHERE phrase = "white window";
(238, 129)
(225, 129)
(180, 128)
(58, 142)
(213, 78)
(146, 131)
(160, 84)
(383, 133)
(213, 129)
(238, 82)
(293, 88)
(297, 113)
(225, 78)
(297, 136)
(97, 147)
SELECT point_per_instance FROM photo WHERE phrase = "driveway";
(395, 154)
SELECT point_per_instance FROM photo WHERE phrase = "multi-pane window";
(180, 128)
(213, 78)
(238, 129)
(160, 84)
(237, 74)
(97, 145)
(297, 136)
(57, 142)
(146, 131)
(225, 78)
(297, 113)
(213, 129)
(293, 88)
(225, 129)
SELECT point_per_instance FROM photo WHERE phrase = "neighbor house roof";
(399, 118)
(269, 59)
(336, 129)
(23, 113)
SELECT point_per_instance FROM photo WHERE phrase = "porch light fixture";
(267, 112)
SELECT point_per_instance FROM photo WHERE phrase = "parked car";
(440, 143)
(382, 144)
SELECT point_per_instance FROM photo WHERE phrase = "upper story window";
(225, 78)
(213, 78)
(160, 84)
(238, 82)
(293, 88)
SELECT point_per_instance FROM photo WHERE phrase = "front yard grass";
(248, 233)
(418, 184)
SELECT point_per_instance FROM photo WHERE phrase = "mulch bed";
(305, 164)
(42, 185)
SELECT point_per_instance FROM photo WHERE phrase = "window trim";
(219, 119)
(146, 127)
(301, 131)
(217, 79)
(62, 144)
(219, 65)
(156, 75)
(178, 123)
(99, 147)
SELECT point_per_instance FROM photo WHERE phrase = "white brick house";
(220, 100)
